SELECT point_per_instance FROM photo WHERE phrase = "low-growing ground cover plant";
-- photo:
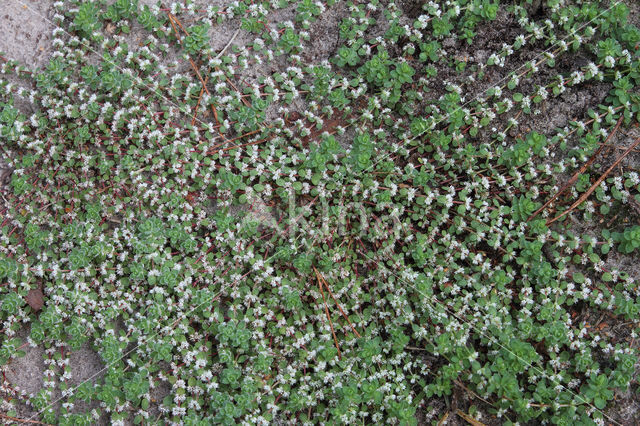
(250, 235)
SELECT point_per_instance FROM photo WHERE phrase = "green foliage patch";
(350, 239)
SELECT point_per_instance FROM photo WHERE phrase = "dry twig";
(174, 20)
(338, 304)
(193, 120)
(469, 419)
(575, 177)
(15, 419)
(326, 309)
(593, 187)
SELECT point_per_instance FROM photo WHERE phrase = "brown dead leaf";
(35, 299)
(5, 175)
(329, 127)
(293, 116)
